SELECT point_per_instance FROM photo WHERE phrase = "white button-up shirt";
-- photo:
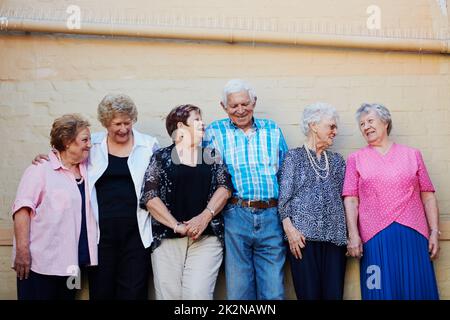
(138, 160)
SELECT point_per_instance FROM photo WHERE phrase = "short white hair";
(382, 112)
(237, 85)
(314, 113)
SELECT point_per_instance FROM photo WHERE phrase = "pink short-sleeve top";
(388, 188)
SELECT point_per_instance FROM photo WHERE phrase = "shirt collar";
(138, 138)
(54, 160)
(56, 163)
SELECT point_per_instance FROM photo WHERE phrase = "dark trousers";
(123, 262)
(319, 275)
(44, 287)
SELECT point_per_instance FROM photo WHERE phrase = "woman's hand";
(354, 243)
(354, 246)
(297, 241)
(198, 224)
(22, 263)
(181, 229)
(430, 205)
(433, 245)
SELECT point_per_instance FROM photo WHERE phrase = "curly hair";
(113, 104)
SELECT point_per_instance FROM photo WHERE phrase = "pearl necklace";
(315, 165)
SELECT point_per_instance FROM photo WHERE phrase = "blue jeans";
(254, 253)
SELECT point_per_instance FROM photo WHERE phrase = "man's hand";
(40, 158)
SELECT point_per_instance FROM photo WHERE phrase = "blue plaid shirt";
(252, 159)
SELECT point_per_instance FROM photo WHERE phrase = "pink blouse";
(51, 192)
(388, 187)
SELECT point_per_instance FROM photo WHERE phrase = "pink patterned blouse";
(388, 187)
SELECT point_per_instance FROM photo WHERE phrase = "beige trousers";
(184, 269)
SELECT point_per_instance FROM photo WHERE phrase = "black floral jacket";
(157, 184)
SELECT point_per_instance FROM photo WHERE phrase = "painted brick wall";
(44, 76)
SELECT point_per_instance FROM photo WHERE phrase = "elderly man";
(253, 150)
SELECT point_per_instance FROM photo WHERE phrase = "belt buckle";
(244, 203)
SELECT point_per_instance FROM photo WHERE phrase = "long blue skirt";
(396, 266)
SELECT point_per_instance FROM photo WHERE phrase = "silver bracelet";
(211, 211)
(176, 226)
(435, 230)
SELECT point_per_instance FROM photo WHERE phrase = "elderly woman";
(392, 213)
(55, 231)
(185, 188)
(116, 168)
(311, 208)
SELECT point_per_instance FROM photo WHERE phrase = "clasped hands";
(195, 227)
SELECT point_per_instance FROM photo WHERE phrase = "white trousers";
(184, 269)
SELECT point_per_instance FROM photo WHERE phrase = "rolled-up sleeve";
(286, 183)
(351, 180)
(30, 190)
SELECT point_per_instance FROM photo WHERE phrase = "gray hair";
(382, 112)
(314, 113)
(237, 85)
(113, 104)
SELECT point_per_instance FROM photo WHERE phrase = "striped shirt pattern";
(253, 159)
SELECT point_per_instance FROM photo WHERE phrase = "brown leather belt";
(254, 204)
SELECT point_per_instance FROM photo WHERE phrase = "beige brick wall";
(351, 290)
(43, 76)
